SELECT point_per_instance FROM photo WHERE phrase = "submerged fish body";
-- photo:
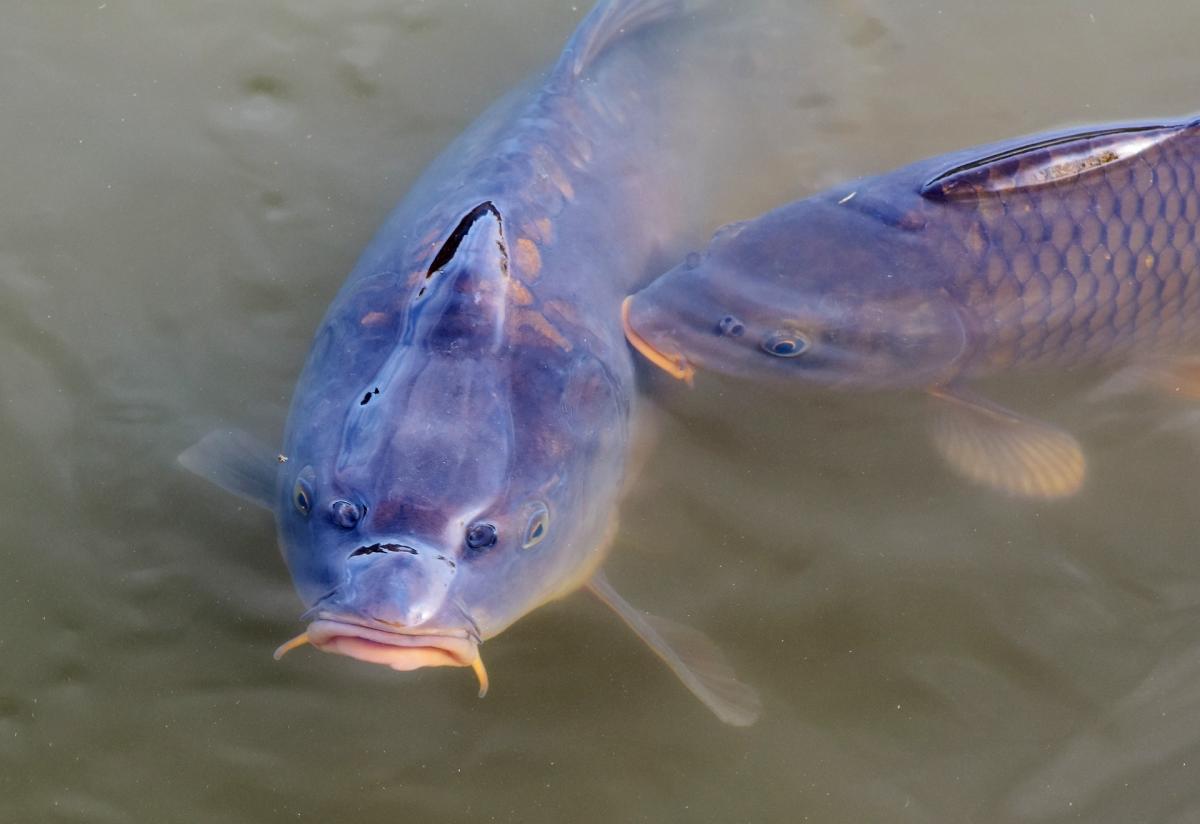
(1060, 250)
(457, 440)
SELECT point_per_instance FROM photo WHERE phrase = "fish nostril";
(730, 327)
(345, 514)
(375, 549)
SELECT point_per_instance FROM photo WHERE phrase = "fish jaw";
(674, 364)
(402, 651)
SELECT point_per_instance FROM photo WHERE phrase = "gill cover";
(874, 341)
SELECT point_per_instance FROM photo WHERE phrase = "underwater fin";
(1005, 450)
(236, 462)
(645, 427)
(607, 23)
(1123, 381)
(1178, 377)
(690, 655)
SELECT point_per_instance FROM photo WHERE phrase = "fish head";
(448, 478)
(814, 292)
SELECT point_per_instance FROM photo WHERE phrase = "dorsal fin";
(608, 22)
(461, 304)
(1039, 162)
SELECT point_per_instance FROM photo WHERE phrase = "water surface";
(186, 183)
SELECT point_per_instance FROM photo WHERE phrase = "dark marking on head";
(375, 549)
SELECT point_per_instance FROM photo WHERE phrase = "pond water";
(186, 184)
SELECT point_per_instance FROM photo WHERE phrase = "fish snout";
(393, 608)
(652, 339)
(395, 584)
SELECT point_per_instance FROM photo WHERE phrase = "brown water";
(185, 184)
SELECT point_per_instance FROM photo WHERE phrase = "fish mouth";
(402, 651)
(677, 366)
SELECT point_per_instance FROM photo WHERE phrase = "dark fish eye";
(345, 514)
(785, 344)
(302, 496)
(481, 536)
(731, 327)
(537, 526)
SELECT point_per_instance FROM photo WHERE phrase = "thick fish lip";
(403, 651)
(675, 365)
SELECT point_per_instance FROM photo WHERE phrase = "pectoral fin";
(645, 427)
(236, 462)
(1005, 450)
(1179, 377)
(690, 655)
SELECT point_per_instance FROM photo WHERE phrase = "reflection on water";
(185, 186)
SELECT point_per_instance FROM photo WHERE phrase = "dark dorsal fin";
(1053, 159)
(610, 21)
(462, 302)
(450, 247)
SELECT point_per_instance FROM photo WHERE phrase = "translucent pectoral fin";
(690, 655)
(1005, 450)
(236, 462)
(646, 427)
(1180, 377)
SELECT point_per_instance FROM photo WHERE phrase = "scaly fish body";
(457, 440)
(1086, 258)
(1058, 250)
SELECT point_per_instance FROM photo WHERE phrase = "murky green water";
(185, 185)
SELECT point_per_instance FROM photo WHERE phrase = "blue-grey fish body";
(457, 441)
(1059, 250)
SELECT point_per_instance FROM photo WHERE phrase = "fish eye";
(302, 496)
(481, 535)
(345, 514)
(537, 526)
(731, 327)
(785, 344)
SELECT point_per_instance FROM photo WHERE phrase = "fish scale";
(1057, 251)
(1081, 270)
